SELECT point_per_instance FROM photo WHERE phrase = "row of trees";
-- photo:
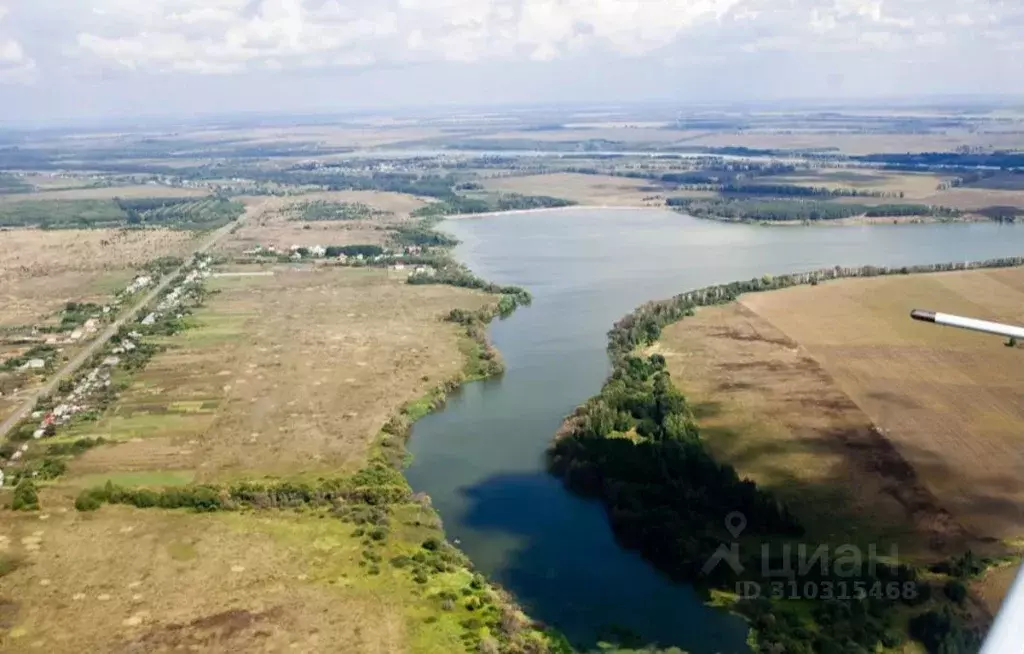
(924, 160)
(456, 275)
(316, 210)
(744, 210)
(459, 205)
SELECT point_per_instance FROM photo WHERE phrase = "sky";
(86, 59)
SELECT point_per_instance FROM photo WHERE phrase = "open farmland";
(584, 189)
(295, 371)
(104, 193)
(292, 373)
(913, 186)
(181, 212)
(131, 580)
(834, 398)
(40, 270)
(280, 225)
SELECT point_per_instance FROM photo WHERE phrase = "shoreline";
(854, 221)
(603, 207)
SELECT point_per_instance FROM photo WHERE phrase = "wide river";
(481, 459)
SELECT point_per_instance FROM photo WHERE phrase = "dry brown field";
(292, 372)
(128, 580)
(286, 374)
(107, 193)
(976, 198)
(40, 270)
(275, 225)
(915, 186)
(832, 396)
(597, 190)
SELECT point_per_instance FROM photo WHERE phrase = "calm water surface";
(481, 458)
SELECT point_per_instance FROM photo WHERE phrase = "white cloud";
(15, 64)
(232, 35)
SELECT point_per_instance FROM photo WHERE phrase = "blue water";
(481, 458)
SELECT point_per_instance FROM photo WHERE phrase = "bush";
(87, 501)
(432, 544)
(25, 496)
(51, 468)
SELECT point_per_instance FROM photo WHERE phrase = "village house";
(139, 283)
(34, 364)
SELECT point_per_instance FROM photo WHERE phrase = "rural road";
(76, 362)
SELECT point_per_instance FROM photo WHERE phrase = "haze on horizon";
(96, 59)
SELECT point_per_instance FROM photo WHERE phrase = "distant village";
(352, 255)
(86, 392)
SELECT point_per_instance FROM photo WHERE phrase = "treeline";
(919, 160)
(793, 190)
(186, 213)
(349, 250)
(635, 447)
(1001, 214)
(503, 202)
(247, 494)
(422, 235)
(457, 275)
(317, 210)
(742, 210)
